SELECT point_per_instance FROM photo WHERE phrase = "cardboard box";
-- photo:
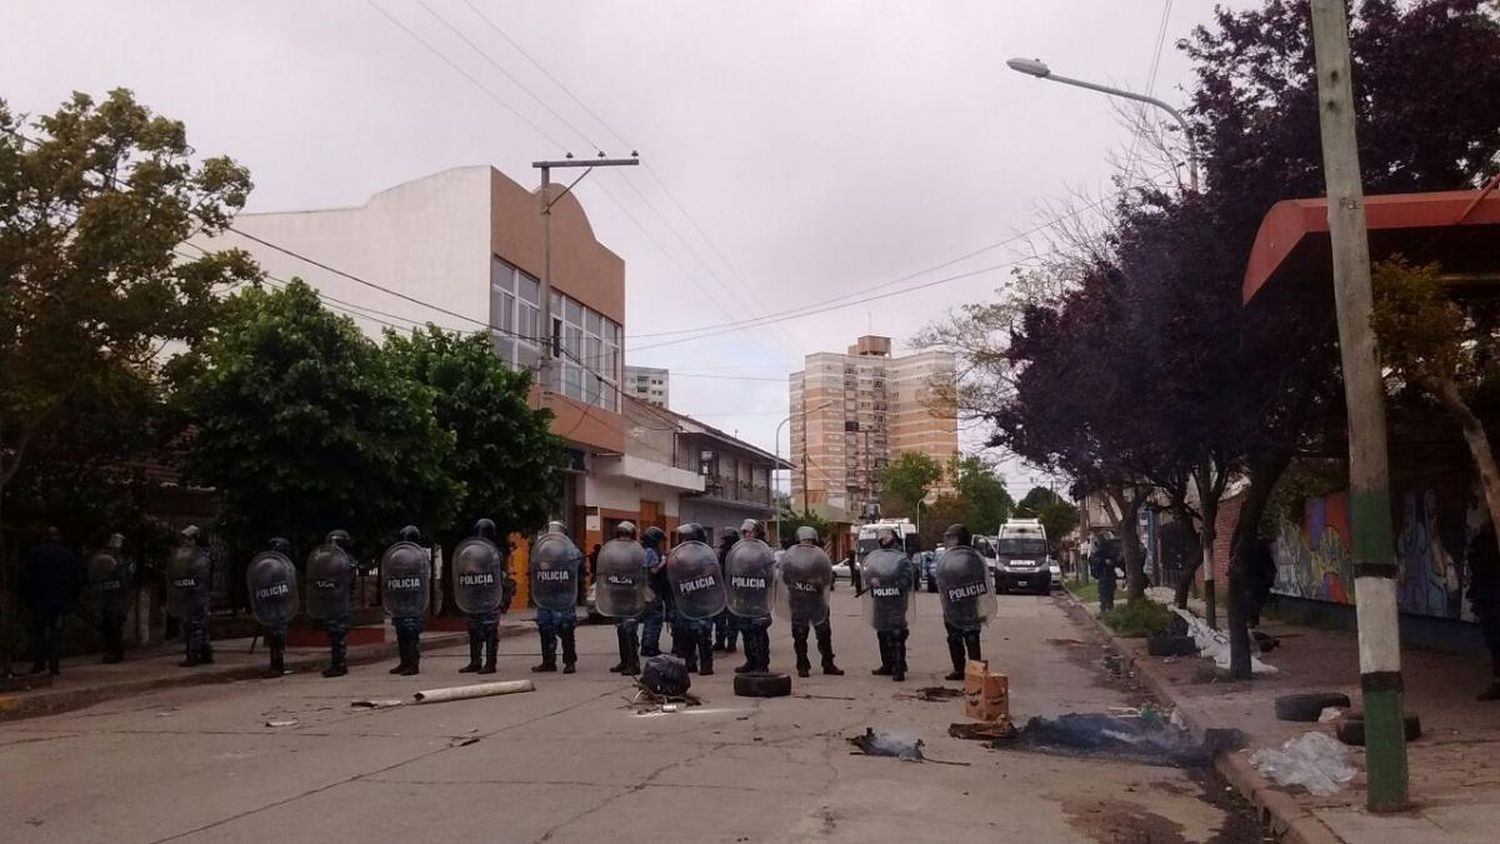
(986, 694)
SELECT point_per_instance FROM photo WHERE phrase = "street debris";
(666, 676)
(464, 741)
(504, 687)
(1315, 761)
(376, 703)
(289, 722)
(1146, 738)
(1214, 644)
(983, 731)
(897, 745)
(825, 697)
(935, 694)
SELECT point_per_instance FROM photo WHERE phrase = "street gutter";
(1287, 818)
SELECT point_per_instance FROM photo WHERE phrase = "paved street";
(571, 762)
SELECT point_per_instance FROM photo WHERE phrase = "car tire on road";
(1350, 728)
(758, 684)
(1308, 706)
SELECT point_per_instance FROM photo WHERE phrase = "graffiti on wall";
(1432, 530)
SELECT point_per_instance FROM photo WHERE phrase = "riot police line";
(645, 588)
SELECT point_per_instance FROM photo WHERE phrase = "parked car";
(841, 571)
(1057, 577)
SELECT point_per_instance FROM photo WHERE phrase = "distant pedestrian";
(52, 576)
(1102, 567)
(1484, 597)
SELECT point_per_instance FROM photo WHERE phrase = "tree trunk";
(1447, 393)
(1264, 473)
(1130, 542)
(1208, 504)
(1184, 585)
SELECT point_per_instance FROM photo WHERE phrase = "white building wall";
(428, 239)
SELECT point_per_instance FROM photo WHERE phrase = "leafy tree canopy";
(907, 480)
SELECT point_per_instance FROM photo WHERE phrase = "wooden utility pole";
(1364, 393)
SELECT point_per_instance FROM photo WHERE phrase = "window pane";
(573, 341)
(575, 312)
(593, 323)
(612, 332)
(594, 354)
(503, 275)
(529, 288)
(557, 308)
(526, 323)
(573, 381)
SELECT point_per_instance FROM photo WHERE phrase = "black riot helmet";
(886, 537)
(691, 532)
(410, 533)
(807, 535)
(340, 538)
(625, 530)
(653, 537)
(727, 537)
(957, 535)
(280, 545)
(485, 529)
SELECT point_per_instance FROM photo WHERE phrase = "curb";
(1279, 811)
(66, 700)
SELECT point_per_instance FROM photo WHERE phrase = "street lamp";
(1039, 69)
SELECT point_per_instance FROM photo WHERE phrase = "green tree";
(987, 503)
(944, 510)
(790, 520)
(505, 456)
(1058, 517)
(908, 478)
(304, 426)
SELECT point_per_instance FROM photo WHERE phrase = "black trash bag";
(1131, 739)
(1177, 625)
(666, 676)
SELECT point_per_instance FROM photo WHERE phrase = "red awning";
(1292, 248)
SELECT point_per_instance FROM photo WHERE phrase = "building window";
(587, 342)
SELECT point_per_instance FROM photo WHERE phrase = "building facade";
(649, 384)
(852, 413)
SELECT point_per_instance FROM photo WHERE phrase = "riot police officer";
(190, 594)
(807, 574)
(698, 585)
(112, 579)
(659, 610)
(330, 595)
(750, 578)
(967, 596)
(483, 589)
(555, 562)
(887, 597)
(622, 593)
(271, 579)
(406, 578)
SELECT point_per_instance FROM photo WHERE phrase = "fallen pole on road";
(505, 687)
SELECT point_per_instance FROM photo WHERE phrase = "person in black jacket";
(1484, 597)
(52, 576)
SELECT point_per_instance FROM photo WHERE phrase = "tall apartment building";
(852, 413)
(649, 384)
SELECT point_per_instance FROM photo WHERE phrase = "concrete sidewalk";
(85, 681)
(1454, 767)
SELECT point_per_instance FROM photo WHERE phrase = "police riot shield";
(272, 582)
(478, 575)
(330, 579)
(806, 576)
(189, 581)
(697, 582)
(964, 587)
(554, 572)
(405, 575)
(620, 577)
(887, 595)
(750, 578)
(109, 581)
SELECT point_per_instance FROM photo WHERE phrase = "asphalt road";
(572, 762)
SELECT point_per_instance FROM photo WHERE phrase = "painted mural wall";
(1433, 527)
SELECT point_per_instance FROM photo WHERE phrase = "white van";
(1022, 560)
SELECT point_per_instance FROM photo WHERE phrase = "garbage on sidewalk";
(984, 731)
(663, 686)
(1214, 644)
(1315, 761)
(1149, 740)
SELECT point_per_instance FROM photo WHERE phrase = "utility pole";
(1364, 394)
(549, 341)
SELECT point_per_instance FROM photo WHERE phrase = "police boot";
(338, 651)
(898, 656)
(882, 638)
(274, 668)
(414, 648)
(191, 661)
(705, 656)
(956, 653)
(731, 640)
(752, 656)
(619, 667)
(206, 649)
(474, 647)
(491, 650)
(799, 647)
(686, 647)
(570, 651)
(633, 651)
(404, 650)
(971, 643)
(763, 649)
(549, 651)
(825, 647)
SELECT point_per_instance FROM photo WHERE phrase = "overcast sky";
(824, 148)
